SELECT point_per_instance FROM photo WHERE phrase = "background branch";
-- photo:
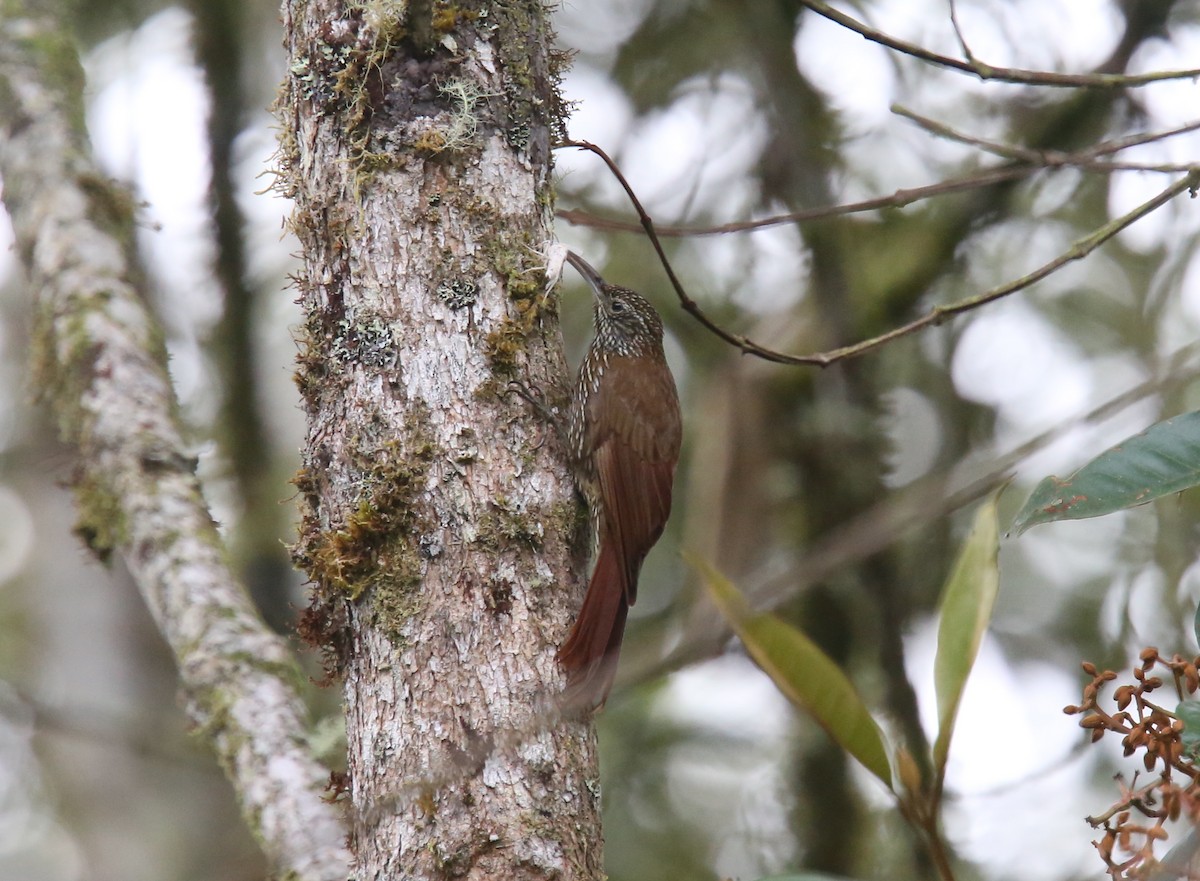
(1000, 74)
(935, 316)
(1032, 161)
(102, 365)
(1085, 159)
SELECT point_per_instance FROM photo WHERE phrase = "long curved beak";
(590, 275)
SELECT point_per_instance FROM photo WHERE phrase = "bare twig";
(907, 196)
(1106, 148)
(999, 74)
(1080, 249)
(898, 199)
(1085, 159)
(947, 491)
(962, 40)
(936, 316)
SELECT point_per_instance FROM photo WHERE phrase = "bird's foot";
(536, 398)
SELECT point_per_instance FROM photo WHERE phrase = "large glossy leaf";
(804, 674)
(1163, 459)
(964, 612)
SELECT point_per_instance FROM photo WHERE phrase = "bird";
(623, 434)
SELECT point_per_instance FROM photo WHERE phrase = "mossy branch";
(102, 368)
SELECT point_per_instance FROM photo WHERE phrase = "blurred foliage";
(832, 497)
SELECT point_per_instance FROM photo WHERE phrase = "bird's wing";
(636, 447)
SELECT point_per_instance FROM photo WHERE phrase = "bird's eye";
(617, 306)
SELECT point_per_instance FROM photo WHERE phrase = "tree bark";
(102, 366)
(441, 529)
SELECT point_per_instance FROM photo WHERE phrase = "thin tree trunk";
(441, 529)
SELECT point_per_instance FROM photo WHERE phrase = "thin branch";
(1080, 249)
(898, 199)
(985, 72)
(103, 368)
(904, 197)
(962, 40)
(1105, 148)
(1085, 159)
(936, 316)
(940, 494)
(140, 737)
(902, 511)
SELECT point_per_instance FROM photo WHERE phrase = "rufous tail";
(590, 653)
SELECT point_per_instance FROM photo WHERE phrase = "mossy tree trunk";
(440, 527)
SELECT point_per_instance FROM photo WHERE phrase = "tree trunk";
(441, 529)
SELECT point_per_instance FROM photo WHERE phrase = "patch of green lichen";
(447, 16)
(503, 346)
(57, 59)
(215, 707)
(512, 257)
(372, 556)
(327, 344)
(372, 546)
(341, 74)
(504, 526)
(101, 520)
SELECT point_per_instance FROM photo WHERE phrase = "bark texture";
(103, 367)
(441, 529)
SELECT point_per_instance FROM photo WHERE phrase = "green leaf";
(1189, 713)
(805, 675)
(1163, 459)
(807, 876)
(964, 612)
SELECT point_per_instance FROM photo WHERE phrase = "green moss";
(111, 206)
(503, 346)
(285, 671)
(216, 706)
(101, 520)
(63, 354)
(532, 94)
(503, 527)
(372, 557)
(571, 519)
(451, 864)
(58, 60)
(512, 257)
(447, 16)
(369, 548)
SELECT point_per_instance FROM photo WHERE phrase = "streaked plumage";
(623, 431)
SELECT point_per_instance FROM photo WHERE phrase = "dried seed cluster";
(1137, 820)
